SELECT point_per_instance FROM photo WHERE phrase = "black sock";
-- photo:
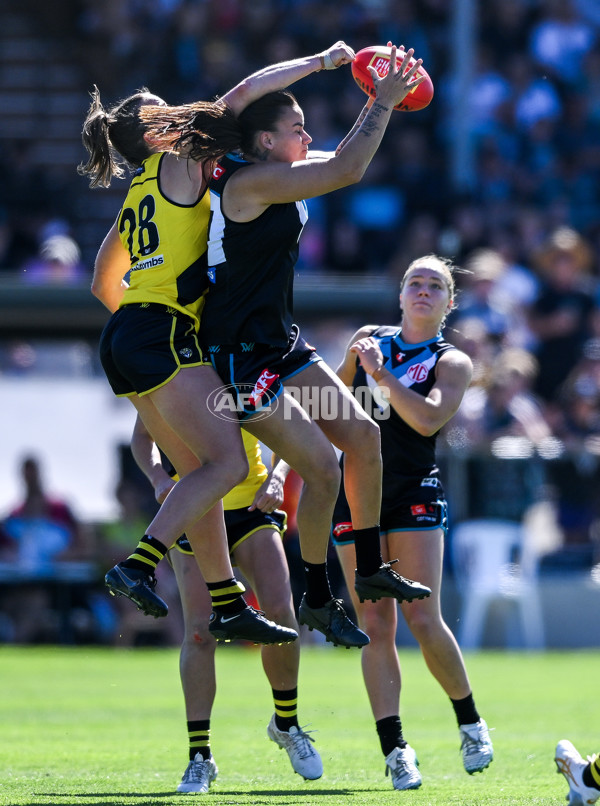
(318, 592)
(146, 557)
(368, 550)
(286, 708)
(226, 596)
(199, 738)
(389, 730)
(465, 710)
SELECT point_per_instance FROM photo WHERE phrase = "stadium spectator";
(560, 40)
(58, 263)
(39, 532)
(560, 316)
(481, 297)
(43, 527)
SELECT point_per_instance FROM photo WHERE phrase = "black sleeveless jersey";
(408, 457)
(250, 269)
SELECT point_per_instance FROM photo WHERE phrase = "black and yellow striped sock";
(148, 554)
(286, 708)
(199, 738)
(591, 774)
(389, 730)
(226, 596)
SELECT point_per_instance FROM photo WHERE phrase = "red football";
(379, 58)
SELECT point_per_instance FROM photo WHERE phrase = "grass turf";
(106, 727)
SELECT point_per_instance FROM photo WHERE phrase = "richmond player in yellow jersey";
(159, 239)
(254, 530)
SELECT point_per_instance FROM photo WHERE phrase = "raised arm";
(278, 76)
(273, 182)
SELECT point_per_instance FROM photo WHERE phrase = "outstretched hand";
(393, 88)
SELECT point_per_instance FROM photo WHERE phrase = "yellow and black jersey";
(166, 242)
(243, 494)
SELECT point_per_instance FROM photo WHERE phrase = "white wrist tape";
(328, 61)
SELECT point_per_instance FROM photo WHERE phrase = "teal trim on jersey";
(236, 157)
(398, 338)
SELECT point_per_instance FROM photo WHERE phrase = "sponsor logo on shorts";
(262, 385)
(341, 528)
(185, 352)
(423, 512)
(150, 263)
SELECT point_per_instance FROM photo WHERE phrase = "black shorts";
(241, 524)
(423, 509)
(143, 346)
(254, 374)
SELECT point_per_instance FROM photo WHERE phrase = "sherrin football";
(379, 58)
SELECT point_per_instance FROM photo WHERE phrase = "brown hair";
(202, 130)
(444, 265)
(116, 139)
(209, 130)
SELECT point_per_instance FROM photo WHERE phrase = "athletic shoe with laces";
(402, 763)
(199, 775)
(386, 582)
(249, 625)
(137, 585)
(332, 621)
(571, 765)
(297, 743)
(476, 746)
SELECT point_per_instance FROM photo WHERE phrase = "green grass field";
(106, 727)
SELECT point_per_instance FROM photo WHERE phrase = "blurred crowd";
(533, 119)
(523, 226)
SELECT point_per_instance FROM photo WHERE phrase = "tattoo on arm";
(372, 122)
(354, 129)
